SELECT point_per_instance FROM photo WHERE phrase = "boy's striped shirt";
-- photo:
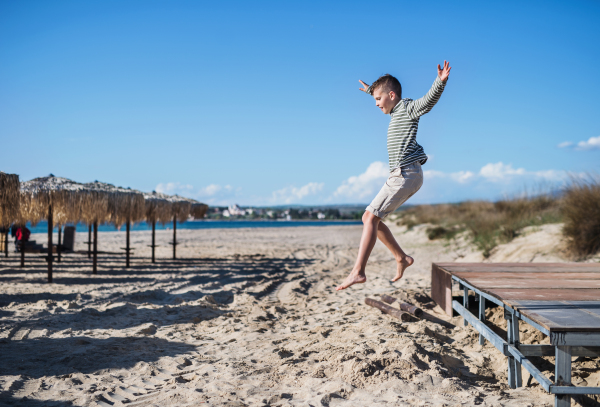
(402, 145)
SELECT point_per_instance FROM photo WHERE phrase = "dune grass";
(493, 223)
(488, 223)
(581, 215)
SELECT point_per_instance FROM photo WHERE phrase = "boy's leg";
(367, 242)
(402, 259)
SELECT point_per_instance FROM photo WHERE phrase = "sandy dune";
(249, 317)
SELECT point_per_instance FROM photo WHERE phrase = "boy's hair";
(389, 84)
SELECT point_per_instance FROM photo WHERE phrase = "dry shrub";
(488, 223)
(581, 213)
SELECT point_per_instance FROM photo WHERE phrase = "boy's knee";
(368, 217)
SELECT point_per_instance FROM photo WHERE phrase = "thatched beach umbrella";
(125, 206)
(94, 211)
(158, 209)
(49, 198)
(182, 209)
(10, 199)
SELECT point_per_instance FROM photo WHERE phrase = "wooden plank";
(573, 294)
(519, 267)
(575, 338)
(562, 316)
(441, 288)
(529, 275)
(489, 283)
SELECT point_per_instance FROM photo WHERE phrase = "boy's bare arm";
(419, 107)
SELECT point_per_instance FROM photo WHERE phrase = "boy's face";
(386, 101)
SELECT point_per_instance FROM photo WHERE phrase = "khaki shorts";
(401, 185)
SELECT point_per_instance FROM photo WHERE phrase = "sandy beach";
(250, 317)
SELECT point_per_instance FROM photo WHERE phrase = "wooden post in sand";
(394, 312)
(49, 259)
(153, 240)
(95, 261)
(404, 306)
(59, 243)
(22, 246)
(127, 248)
(89, 242)
(174, 237)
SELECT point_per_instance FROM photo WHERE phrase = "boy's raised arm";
(419, 107)
(365, 87)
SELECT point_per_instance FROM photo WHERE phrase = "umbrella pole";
(89, 242)
(128, 226)
(49, 243)
(22, 247)
(174, 237)
(153, 239)
(59, 244)
(95, 262)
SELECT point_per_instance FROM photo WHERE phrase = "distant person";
(405, 159)
(21, 237)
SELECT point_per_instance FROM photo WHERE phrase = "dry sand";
(250, 318)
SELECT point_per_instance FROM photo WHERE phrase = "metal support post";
(562, 374)
(465, 302)
(516, 342)
(515, 379)
(481, 317)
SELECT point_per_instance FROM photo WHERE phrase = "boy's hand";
(444, 73)
(365, 86)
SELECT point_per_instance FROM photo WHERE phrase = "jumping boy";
(405, 159)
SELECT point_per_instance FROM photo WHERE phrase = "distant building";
(320, 215)
(226, 213)
(235, 210)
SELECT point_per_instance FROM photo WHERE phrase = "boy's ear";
(392, 95)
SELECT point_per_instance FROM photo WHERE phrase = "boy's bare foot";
(353, 278)
(403, 265)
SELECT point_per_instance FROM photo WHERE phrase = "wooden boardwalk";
(562, 300)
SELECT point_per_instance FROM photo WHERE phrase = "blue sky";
(257, 103)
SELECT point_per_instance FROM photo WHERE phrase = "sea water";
(42, 226)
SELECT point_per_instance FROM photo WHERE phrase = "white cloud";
(500, 171)
(365, 185)
(292, 194)
(592, 144)
(550, 175)
(212, 194)
(459, 176)
(214, 189)
(173, 188)
(495, 172)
